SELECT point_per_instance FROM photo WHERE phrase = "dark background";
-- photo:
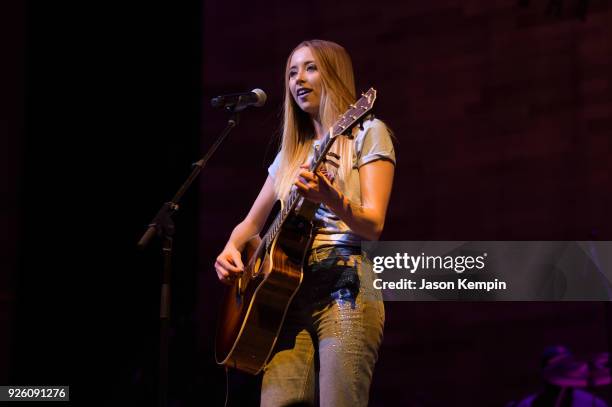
(503, 116)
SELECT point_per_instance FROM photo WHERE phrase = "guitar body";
(254, 308)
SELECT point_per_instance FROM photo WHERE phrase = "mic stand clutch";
(163, 226)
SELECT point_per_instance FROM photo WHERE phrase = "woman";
(332, 331)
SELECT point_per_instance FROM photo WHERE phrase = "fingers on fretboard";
(331, 167)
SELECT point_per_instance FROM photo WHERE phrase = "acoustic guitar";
(254, 307)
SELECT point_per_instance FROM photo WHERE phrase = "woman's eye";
(311, 68)
(292, 74)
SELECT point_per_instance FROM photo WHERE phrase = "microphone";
(256, 97)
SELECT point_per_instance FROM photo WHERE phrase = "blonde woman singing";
(328, 345)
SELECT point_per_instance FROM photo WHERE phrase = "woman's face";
(304, 81)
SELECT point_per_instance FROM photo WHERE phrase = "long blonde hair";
(337, 93)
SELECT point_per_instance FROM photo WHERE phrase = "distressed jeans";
(328, 345)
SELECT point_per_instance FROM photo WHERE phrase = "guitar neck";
(294, 197)
(354, 115)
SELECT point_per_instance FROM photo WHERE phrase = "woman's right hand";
(229, 265)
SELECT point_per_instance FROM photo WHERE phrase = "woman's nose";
(300, 76)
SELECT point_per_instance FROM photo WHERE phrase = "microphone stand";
(163, 226)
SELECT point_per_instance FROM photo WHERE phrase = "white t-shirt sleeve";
(373, 143)
(273, 168)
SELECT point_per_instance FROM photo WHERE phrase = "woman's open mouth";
(303, 92)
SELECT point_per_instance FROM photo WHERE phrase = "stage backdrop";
(11, 164)
(502, 112)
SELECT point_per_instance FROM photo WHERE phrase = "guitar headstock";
(355, 114)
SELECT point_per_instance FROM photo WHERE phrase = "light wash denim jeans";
(329, 342)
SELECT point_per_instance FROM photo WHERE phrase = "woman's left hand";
(316, 187)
